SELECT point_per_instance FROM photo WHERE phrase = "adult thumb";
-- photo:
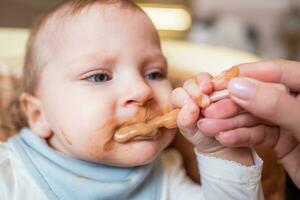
(267, 102)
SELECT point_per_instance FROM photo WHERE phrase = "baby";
(95, 65)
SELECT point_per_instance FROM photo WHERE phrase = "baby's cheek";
(98, 147)
(171, 133)
(163, 93)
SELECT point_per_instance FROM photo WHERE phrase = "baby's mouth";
(150, 136)
(130, 130)
(135, 131)
(148, 129)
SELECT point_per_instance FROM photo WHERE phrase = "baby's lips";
(147, 129)
(134, 134)
(126, 133)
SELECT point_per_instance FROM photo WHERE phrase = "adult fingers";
(228, 108)
(266, 102)
(210, 127)
(224, 108)
(251, 136)
(278, 71)
(280, 140)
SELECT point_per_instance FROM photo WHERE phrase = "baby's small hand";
(186, 98)
(189, 120)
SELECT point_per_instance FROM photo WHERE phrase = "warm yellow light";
(168, 18)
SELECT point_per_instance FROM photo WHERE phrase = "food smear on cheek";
(108, 145)
(108, 128)
(67, 138)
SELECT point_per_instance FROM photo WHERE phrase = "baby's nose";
(137, 93)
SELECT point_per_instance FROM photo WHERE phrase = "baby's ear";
(32, 108)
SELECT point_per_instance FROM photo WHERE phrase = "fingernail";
(200, 122)
(219, 135)
(242, 88)
(203, 84)
(186, 100)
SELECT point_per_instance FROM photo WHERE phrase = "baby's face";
(104, 69)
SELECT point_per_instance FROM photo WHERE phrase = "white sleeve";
(6, 173)
(224, 179)
(220, 179)
(15, 182)
(176, 184)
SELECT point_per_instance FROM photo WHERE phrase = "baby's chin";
(140, 152)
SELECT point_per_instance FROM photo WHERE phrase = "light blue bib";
(65, 178)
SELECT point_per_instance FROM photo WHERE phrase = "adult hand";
(256, 92)
(265, 101)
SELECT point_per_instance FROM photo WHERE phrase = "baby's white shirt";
(220, 179)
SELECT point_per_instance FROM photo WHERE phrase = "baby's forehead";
(60, 23)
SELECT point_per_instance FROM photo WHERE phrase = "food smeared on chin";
(150, 128)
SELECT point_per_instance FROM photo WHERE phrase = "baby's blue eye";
(99, 77)
(155, 76)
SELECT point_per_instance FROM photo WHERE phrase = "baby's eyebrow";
(88, 62)
(95, 58)
(157, 57)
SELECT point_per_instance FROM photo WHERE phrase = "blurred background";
(266, 29)
(269, 28)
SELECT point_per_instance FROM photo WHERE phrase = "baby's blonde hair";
(34, 58)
